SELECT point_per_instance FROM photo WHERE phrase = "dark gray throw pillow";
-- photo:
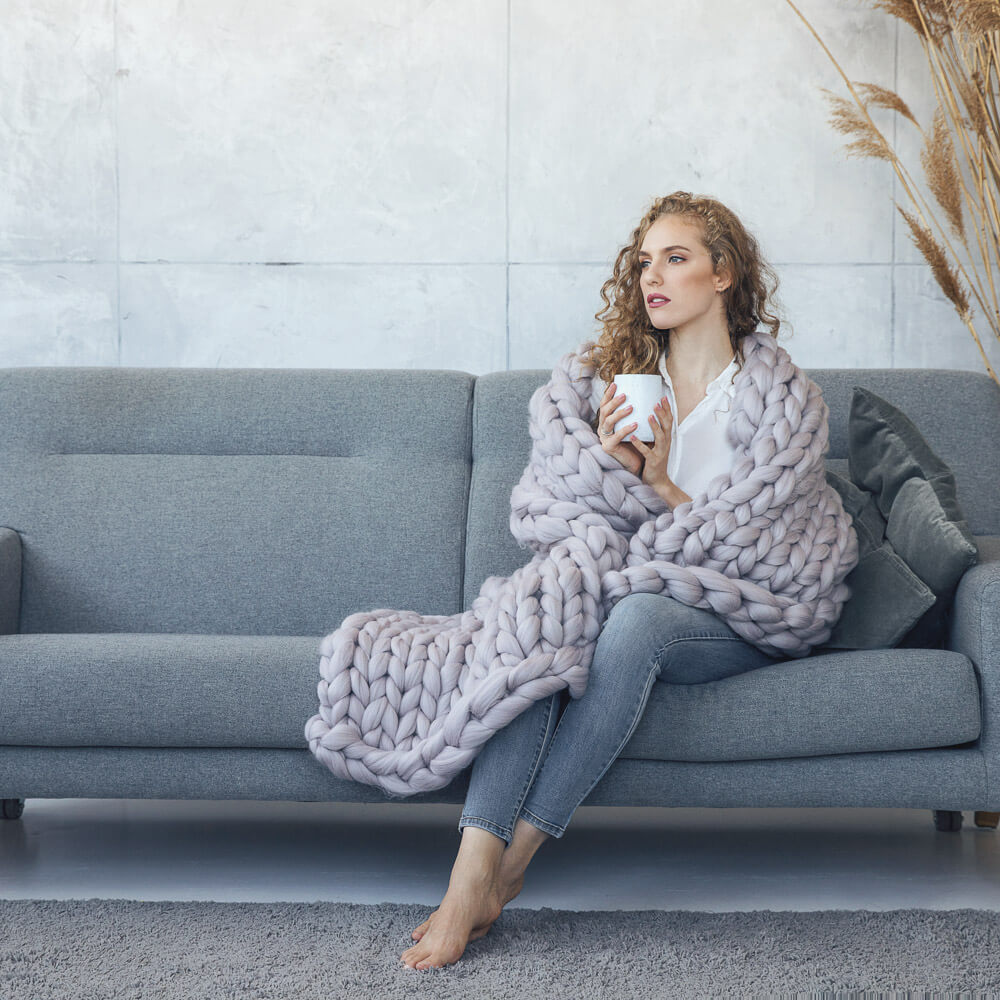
(905, 508)
(887, 597)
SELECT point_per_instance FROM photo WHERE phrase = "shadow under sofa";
(174, 543)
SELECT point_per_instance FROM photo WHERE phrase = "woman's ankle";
(481, 849)
(525, 842)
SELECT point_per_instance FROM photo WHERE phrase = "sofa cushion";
(885, 449)
(149, 690)
(236, 501)
(502, 449)
(157, 689)
(887, 597)
(915, 492)
(936, 544)
(844, 702)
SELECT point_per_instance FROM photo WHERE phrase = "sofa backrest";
(957, 412)
(279, 501)
(233, 501)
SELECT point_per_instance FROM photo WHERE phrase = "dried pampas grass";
(961, 39)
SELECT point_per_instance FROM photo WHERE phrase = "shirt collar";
(725, 377)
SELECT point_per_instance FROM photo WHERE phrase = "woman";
(687, 289)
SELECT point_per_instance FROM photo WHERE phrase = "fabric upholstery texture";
(946, 778)
(239, 501)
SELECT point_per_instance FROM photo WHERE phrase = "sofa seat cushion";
(850, 701)
(177, 690)
(157, 689)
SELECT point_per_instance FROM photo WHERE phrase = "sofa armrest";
(974, 630)
(10, 581)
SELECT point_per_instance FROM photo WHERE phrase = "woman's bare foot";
(510, 869)
(510, 885)
(470, 907)
(487, 875)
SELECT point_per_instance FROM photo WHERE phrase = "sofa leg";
(988, 820)
(947, 819)
(11, 808)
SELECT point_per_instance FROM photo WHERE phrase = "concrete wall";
(421, 184)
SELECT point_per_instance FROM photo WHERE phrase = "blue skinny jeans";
(544, 763)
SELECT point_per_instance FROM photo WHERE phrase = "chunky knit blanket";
(408, 700)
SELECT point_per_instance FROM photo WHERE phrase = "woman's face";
(674, 264)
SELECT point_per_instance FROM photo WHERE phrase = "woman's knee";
(642, 626)
(632, 635)
(657, 613)
(684, 644)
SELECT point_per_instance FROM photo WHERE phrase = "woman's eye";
(673, 256)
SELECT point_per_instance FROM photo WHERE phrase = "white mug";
(642, 392)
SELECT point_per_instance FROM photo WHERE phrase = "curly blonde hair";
(629, 343)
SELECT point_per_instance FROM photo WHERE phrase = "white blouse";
(699, 449)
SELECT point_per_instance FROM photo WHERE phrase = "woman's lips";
(658, 302)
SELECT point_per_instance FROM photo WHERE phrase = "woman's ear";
(723, 279)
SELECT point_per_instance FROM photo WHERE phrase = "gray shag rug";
(108, 948)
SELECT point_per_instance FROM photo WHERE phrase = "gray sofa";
(174, 542)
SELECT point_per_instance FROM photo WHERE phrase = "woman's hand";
(610, 412)
(654, 471)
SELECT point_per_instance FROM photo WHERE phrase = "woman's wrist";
(671, 493)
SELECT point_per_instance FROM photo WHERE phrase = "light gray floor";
(690, 859)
